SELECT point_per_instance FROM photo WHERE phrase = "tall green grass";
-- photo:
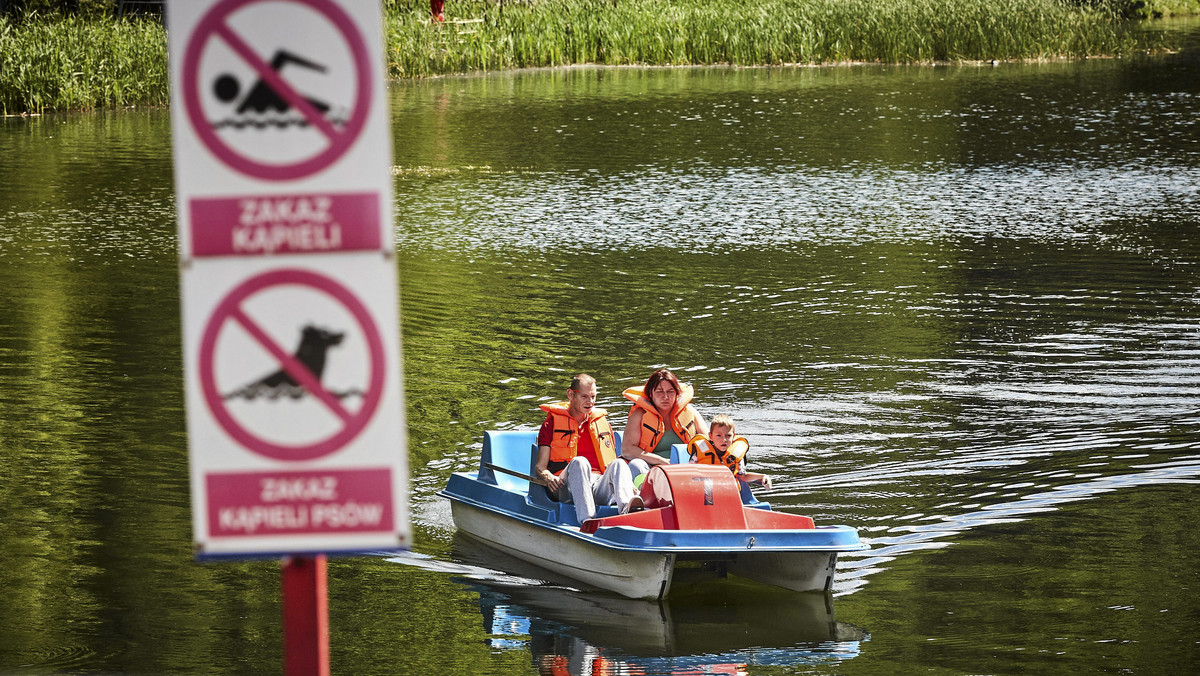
(65, 63)
(73, 62)
(558, 32)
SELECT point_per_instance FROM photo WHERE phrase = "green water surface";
(954, 307)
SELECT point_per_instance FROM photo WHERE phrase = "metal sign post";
(291, 335)
(305, 616)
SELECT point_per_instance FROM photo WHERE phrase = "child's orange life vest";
(702, 449)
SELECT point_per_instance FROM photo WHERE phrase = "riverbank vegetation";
(771, 32)
(71, 62)
(51, 59)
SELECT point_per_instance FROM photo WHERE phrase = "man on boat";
(577, 454)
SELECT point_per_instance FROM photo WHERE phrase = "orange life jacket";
(702, 449)
(559, 665)
(683, 418)
(564, 445)
(554, 665)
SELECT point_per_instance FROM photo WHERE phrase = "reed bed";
(73, 62)
(65, 63)
(770, 32)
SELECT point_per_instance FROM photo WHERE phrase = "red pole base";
(305, 616)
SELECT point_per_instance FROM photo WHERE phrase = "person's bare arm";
(756, 478)
(541, 471)
(632, 435)
(701, 424)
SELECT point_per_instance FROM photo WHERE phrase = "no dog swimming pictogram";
(277, 89)
(296, 404)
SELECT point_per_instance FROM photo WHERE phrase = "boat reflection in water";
(714, 628)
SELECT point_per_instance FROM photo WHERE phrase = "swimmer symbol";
(262, 99)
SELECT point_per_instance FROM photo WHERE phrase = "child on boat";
(723, 446)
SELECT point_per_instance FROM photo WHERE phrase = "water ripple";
(791, 205)
(905, 539)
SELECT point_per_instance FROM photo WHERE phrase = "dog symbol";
(314, 344)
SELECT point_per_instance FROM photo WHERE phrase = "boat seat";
(508, 449)
(698, 497)
(679, 456)
(561, 512)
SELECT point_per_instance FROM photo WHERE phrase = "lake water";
(955, 307)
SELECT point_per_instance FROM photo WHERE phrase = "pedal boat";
(696, 516)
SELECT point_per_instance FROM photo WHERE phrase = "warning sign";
(257, 225)
(295, 406)
(311, 399)
(293, 381)
(296, 503)
(277, 100)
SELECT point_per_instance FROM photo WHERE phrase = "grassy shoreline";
(56, 63)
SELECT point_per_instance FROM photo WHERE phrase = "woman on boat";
(661, 415)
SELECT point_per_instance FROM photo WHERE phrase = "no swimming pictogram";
(292, 404)
(277, 89)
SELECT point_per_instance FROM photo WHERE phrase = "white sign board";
(291, 343)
